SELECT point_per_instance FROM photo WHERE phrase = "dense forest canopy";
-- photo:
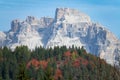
(59, 63)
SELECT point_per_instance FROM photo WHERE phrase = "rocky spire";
(31, 20)
(15, 24)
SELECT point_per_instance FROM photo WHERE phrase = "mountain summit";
(70, 15)
(69, 27)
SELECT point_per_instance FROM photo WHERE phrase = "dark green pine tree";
(40, 74)
(22, 72)
(1, 59)
(5, 68)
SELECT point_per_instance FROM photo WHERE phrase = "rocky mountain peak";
(15, 24)
(31, 20)
(70, 15)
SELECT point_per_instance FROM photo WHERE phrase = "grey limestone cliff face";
(2, 38)
(46, 21)
(32, 32)
(69, 27)
(15, 24)
(76, 28)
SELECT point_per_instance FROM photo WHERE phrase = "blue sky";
(106, 12)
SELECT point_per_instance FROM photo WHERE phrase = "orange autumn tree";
(67, 54)
(76, 63)
(43, 64)
(58, 74)
(34, 62)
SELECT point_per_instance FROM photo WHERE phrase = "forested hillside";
(53, 64)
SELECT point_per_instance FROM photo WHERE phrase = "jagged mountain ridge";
(69, 27)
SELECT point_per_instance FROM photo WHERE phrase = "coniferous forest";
(59, 63)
